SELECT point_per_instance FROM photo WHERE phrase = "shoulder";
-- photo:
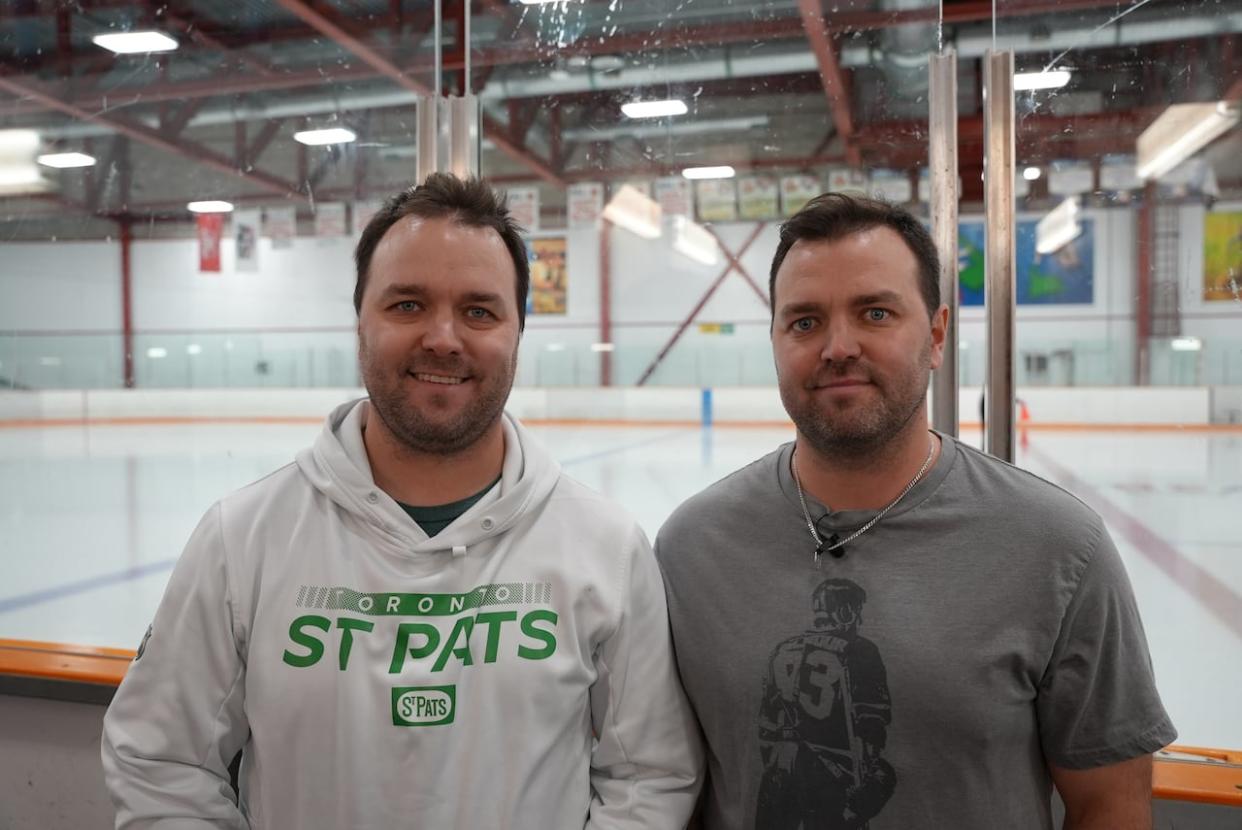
(578, 503)
(732, 497)
(1024, 499)
(262, 498)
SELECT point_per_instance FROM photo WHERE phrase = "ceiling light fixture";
(654, 109)
(327, 135)
(1186, 344)
(1053, 79)
(1181, 131)
(210, 206)
(693, 241)
(1059, 228)
(721, 172)
(62, 161)
(635, 211)
(1032, 173)
(135, 43)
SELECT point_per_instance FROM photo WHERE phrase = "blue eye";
(877, 315)
(803, 324)
(479, 313)
(406, 305)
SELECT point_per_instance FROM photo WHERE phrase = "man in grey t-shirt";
(878, 626)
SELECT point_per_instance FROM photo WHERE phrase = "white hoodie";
(376, 678)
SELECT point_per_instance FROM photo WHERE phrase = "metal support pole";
(999, 293)
(942, 73)
(428, 137)
(127, 303)
(605, 301)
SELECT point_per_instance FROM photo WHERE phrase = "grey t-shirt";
(982, 630)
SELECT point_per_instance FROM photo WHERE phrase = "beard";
(416, 426)
(857, 430)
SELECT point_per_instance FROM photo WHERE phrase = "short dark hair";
(833, 216)
(471, 202)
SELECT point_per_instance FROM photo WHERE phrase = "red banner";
(210, 230)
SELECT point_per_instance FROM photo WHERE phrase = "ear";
(939, 333)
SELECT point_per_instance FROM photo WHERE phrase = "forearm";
(1111, 814)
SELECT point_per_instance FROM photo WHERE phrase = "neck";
(424, 479)
(871, 482)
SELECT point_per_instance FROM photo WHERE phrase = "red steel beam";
(835, 87)
(153, 138)
(196, 34)
(668, 347)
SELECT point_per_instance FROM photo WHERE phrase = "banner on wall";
(584, 204)
(524, 207)
(1065, 277)
(673, 195)
(548, 275)
(1070, 178)
(1222, 256)
(363, 211)
(847, 179)
(717, 200)
(757, 197)
(282, 226)
(796, 191)
(329, 219)
(892, 186)
(246, 224)
(210, 230)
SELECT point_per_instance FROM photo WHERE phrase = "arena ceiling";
(797, 85)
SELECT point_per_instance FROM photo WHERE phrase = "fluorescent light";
(49, 361)
(555, 347)
(1025, 81)
(635, 211)
(1058, 228)
(1181, 131)
(17, 141)
(694, 241)
(193, 348)
(601, 347)
(722, 172)
(63, 160)
(328, 135)
(1032, 173)
(130, 43)
(16, 179)
(1186, 344)
(654, 109)
(157, 352)
(210, 206)
(540, 2)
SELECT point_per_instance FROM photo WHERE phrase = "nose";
(441, 335)
(840, 343)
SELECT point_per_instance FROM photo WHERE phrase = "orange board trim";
(1213, 778)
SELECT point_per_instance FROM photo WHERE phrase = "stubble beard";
(412, 428)
(862, 432)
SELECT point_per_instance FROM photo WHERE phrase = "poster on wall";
(524, 207)
(1064, 277)
(210, 229)
(1222, 257)
(757, 197)
(673, 195)
(246, 239)
(548, 276)
(329, 220)
(796, 191)
(717, 200)
(584, 204)
(282, 226)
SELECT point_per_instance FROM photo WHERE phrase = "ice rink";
(94, 517)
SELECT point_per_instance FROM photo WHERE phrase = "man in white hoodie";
(422, 622)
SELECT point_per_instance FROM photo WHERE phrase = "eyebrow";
(411, 290)
(862, 301)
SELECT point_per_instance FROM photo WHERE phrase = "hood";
(337, 466)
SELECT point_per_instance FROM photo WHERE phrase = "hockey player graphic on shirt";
(824, 720)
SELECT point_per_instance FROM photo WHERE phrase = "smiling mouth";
(447, 380)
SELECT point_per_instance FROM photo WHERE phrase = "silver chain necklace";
(833, 542)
